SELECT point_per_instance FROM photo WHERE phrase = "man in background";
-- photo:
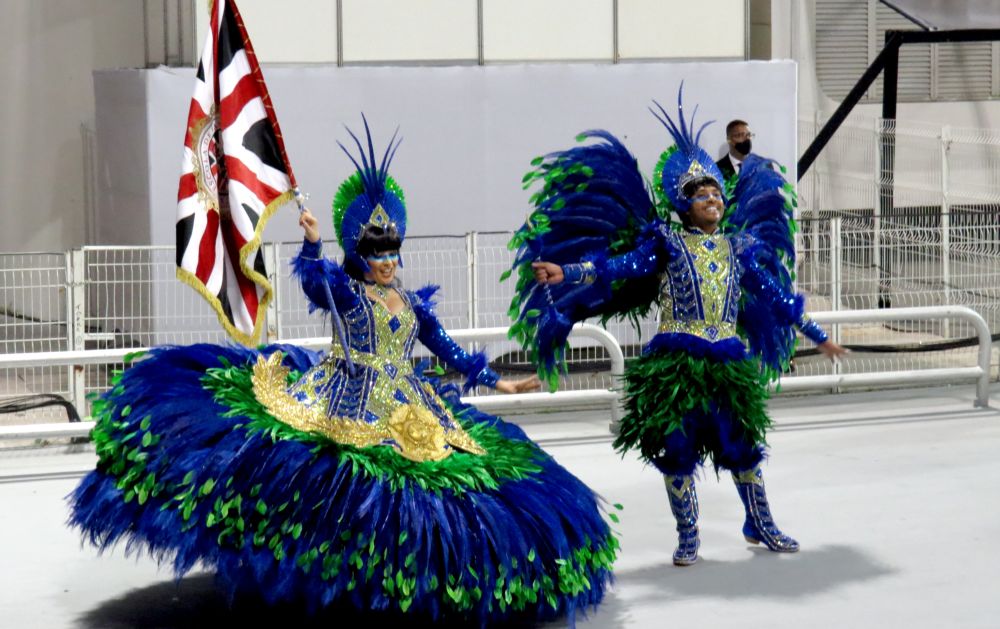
(738, 136)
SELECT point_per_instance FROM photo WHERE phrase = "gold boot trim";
(685, 485)
(751, 476)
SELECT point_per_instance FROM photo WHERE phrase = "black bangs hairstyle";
(692, 186)
(376, 239)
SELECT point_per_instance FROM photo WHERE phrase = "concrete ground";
(893, 496)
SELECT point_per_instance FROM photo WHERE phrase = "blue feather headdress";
(368, 197)
(683, 162)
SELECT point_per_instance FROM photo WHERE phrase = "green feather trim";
(662, 388)
(123, 445)
(505, 459)
(663, 204)
(729, 183)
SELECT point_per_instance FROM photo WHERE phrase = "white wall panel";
(49, 51)
(410, 30)
(651, 29)
(302, 31)
(469, 131)
(521, 30)
(123, 156)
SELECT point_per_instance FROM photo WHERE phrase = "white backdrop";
(469, 131)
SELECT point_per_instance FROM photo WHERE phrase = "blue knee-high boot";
(684, 506)
(759, 526)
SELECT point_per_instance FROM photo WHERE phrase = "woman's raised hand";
(309, 225)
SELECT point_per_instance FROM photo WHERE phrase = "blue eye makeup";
(706, 197)
(388, 257)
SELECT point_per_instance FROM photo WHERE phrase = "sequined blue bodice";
(372, 329)
(373, 396)
(381, 345)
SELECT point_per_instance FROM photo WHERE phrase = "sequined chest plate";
(699, 293)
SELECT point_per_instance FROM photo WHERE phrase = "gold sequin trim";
(707, 331)
(711, 258)
(379, 216)
(375, 361)
(418, 433)
(414, 429)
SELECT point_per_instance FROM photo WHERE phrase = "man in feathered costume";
(599, 244)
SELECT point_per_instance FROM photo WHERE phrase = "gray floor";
(894, 496)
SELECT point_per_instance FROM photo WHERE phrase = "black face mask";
(743, 147)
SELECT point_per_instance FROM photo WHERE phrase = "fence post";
(274, 331)
(817, 181)
(76, 326)
(882, 288)
(471, 242)
(837, 278)
(945, 227)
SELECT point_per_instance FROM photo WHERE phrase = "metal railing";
(127, 297)
(77, 360)
(979, 374)
(594, 397)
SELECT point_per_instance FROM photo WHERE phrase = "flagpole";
(338, 325)
(300, 199)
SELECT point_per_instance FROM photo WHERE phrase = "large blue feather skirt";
(191, 477)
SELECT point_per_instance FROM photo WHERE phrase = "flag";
(234, 176)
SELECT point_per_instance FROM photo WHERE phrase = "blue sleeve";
(644, 260)
(313, 270)
(475, 367)
(812, 330)
(788, 308)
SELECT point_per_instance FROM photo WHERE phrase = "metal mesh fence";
(33, 293)
(929, 234)
(848, 261)
(293, 317)
(493, 298)
(133, 299)
(903, 214)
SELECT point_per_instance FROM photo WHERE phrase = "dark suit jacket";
(726, 166)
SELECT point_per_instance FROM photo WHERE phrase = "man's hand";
(831, 350)
(547, 272)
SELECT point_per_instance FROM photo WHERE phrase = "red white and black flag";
(235, 175)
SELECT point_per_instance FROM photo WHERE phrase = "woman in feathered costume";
(596, 245)
(350, 479)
